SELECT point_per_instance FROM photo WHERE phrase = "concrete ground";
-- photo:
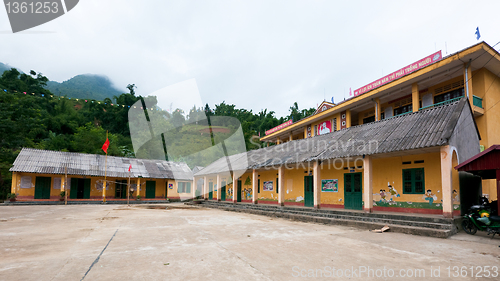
(178, 242)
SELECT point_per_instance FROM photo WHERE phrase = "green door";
(210, 190)
(308, 191)
(86, 188)
(238, 194)
(42, 188)
(73, 189)
(223, 191)
(353, 193)
(150, 189)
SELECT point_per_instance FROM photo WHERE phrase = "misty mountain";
(86, 86)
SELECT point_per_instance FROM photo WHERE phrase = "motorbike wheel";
(469, 227)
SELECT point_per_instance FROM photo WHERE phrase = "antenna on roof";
(445, 48)
(324, 94)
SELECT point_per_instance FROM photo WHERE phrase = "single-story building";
(41, 175)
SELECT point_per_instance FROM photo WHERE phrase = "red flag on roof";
(130, 167)
(105, 146)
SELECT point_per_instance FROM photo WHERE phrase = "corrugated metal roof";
(40, 161)
(426, 128)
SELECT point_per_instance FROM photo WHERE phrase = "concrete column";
(278, 141)
(138, 190)
(235, 188)
(255, 188)
(348, 118)
(378, 111)
(205, 187)
(267, 144)
(305, 132)
(281, 189)
(498, 188)
(415, 103)
(290, 137)
(446, 181)
(219, 185)
(317, 184)
(13, 186)
(193, 188)
(367, 184)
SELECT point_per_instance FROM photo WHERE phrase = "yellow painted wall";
(270, 175)
(389, 171)
(335, 170)
(294, 184)
(95, 193)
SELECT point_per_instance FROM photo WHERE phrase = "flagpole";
(105, 171)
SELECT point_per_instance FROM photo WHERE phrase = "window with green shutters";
(413, 181)
(183, 187)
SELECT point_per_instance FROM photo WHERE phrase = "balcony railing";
(477, 101)
(441, 103)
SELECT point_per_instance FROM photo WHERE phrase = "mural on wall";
(170, 186)
(330, 185)
(390, 197)
(247, 193)
(324, 127)
(229, 193)
(268, 186)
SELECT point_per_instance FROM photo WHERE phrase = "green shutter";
(86, 189)
(73, 188)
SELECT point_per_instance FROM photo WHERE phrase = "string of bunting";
(92, 101)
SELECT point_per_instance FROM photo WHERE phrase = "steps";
(402, 223)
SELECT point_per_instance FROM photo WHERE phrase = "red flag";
(129, 167)
(105, 146)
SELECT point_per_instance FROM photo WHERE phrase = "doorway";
(353, 193)
(308, 191)
(80, 189)
(42, 188)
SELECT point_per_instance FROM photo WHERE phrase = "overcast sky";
(254, 54)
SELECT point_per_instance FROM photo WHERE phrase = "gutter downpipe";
(467, 77)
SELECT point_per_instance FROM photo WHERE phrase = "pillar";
(281, 189)
(367, 184)
(378, 111)
(193, 188)
(317, 184)
(219, 192)
(235, 188)
(305, 132)
(255, 188)
(348, 118)
(13, 186)
(138, 189)
(498, 188)
(205, 188)
(104, 191)
(267, 144)
(290, 137)
(278, 141)
(415, 103)
(446, 181)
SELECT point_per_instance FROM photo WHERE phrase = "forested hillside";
(33, 116)
(86, 86)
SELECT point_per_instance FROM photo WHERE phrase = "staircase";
(398, 222)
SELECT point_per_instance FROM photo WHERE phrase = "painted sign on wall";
(325, 127)
(400, 73)
(279, 127)
(268, 186)
(343, 120)
(330, 185)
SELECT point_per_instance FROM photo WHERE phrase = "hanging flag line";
(91, 101)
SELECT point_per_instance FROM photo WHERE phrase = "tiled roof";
(422, 129)
(40, 161)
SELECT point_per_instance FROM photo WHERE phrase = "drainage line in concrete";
(98, 257)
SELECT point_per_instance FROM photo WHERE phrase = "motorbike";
(481, 217)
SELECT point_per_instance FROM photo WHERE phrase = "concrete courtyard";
(178, 242)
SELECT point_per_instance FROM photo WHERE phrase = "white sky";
(254, 54)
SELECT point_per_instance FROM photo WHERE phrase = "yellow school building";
(43, 174)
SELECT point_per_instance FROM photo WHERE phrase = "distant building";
(40, 175)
